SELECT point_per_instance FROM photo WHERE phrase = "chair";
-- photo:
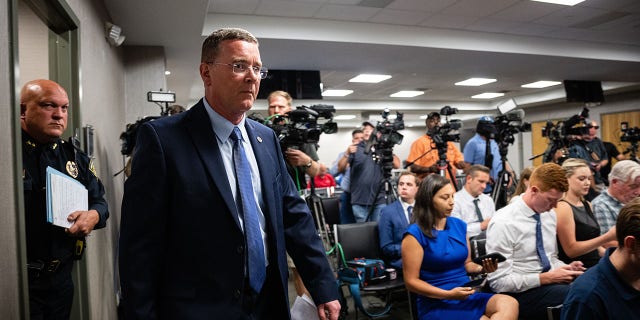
(331, 209)
(553, 313)
(478, 246)
(361, 240)
(413, 305)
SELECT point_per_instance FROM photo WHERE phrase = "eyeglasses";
(241, 68)
(595, 127)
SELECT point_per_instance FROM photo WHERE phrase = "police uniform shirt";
(44, 240)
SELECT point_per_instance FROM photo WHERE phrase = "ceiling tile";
(525, 11)
(473, 8)
(282, 8)
(493, 25)
(233, 6)
(347, 13)
(399, 17)
(532, 29)
(421, 5)
(446, 21)
(608, 4)
(629, 22)
(570, 16)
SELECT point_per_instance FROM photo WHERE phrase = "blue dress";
(443, 267)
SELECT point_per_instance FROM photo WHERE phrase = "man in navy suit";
(183, 247)
(395, 219)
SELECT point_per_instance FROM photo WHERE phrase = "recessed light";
(406, 94)
(336, 93)
(370, 78)
(475, 82)
(166, 73)
(344, 117)
(562, 2)
(488, 95)
(541, 84)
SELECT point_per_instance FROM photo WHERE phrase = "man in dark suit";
(188, 234)
(395, 219)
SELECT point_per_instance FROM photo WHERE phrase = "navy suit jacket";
(391, 226)
(182, 251)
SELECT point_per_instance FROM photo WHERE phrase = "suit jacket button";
(240, 249)
(236, 294)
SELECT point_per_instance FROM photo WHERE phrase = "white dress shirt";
(512, 233)
(404, 208)
(222, 129)
(465, 209)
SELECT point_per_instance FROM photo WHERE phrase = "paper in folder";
(64, 196)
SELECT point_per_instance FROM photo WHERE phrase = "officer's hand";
(84, 221)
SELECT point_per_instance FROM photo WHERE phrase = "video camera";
(448, 131)
(300, 126)
(562, 135)
(383, 138)
(507, 125)
(629, 134)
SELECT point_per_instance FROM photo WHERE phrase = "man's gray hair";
(625, 170)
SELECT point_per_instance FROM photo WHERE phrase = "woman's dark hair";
(424, 213)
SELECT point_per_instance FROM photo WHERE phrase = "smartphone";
(476, 284)
(495, 256)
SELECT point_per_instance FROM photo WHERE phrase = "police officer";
(51, 249)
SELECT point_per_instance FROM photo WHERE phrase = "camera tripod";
(443, 165)
(390, 193)
(632, 150)
(499, 192)
(314, 202)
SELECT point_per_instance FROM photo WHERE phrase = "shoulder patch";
(92, 168)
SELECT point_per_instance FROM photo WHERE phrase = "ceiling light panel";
(336, 93)
(474, 82)
(406, 94)
(562, 2)
(370, 78)
(488, 95)
(541, 84)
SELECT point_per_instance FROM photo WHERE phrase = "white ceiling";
(423, 44)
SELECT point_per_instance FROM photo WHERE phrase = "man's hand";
(564, 274)
(83, 222)
(329, 310)
(297, 158)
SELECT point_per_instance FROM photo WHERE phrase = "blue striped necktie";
(410, 212)
(546, 265)
(248, 208)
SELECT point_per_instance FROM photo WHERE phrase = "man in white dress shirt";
(524, 232)
(471, 204)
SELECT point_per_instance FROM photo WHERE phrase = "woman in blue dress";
(436, 261)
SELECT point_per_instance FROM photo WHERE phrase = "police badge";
(72, 169)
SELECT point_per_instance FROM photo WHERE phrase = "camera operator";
(598, 153)
(423, 157)
(483, 149)
(298, 162)
(366, 176)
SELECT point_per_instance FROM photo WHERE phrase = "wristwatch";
(308, 165)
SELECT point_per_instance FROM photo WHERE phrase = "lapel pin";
(259, 139)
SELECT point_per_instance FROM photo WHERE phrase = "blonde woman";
(577, 229)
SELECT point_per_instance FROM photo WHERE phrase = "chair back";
(331, 209)
(359, 240)
(478, 246)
